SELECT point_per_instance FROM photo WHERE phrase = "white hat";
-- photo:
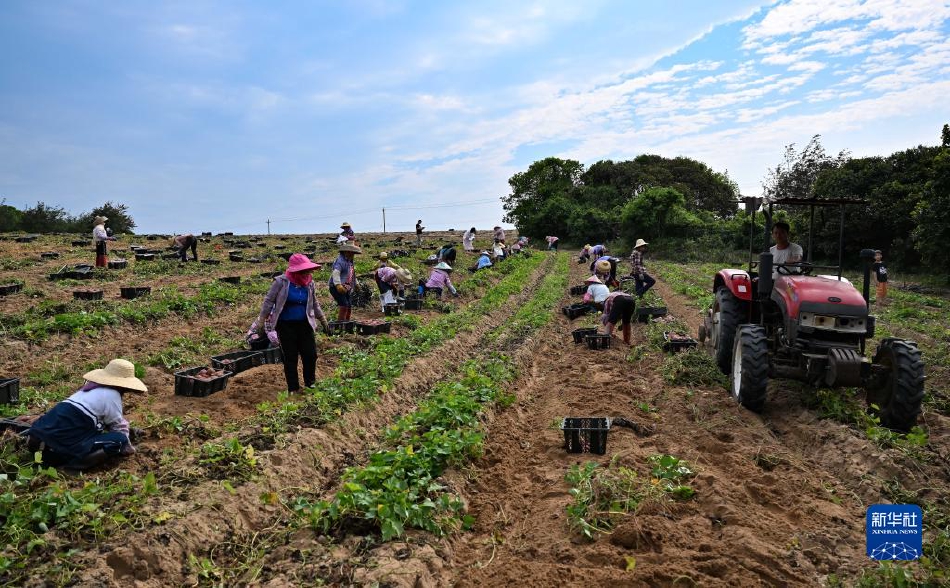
(119, 373)
(443, 266)
(593, 280)
(640, 243)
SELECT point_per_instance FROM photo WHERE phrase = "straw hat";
(403, 276)
(119, 373)
(100, 220)
(348, 248)
(383, 255)
(640, 243)
(603, 266)
(299, 262)
(443, 266)
(586, 247)
(345, 226)
(593, 280)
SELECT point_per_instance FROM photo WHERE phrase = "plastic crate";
(231, 279)
(235, 257)
(10, 289)
(578, 290)
(579, 334)
(78, 243)
(49, 255)
(392, 309)
(575, 310)
(585, 434)
(674, 345)
(9, 390)
(130, 292)
(79, 274)
(596, 341)
(340, 327)
(87, 294)
(237, 361)
(268, 353)
(646, 313)
(118, 264)
(144, 256)
(211, 261)
(413, 304)
(366, 329)
(187, 385)
(25, 239)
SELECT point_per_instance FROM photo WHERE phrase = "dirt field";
(777, 498)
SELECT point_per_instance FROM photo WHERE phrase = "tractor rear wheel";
(750, 367)
(727, 314)
(899, 393)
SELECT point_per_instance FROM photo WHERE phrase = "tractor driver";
(784, 251)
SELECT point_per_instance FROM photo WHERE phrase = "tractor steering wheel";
(789, 269)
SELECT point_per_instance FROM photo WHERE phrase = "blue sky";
(214, 116)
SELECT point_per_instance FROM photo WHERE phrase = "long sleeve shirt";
(343, 272)
(440, 279)
(276, 298)
(483, 261)
(609, 303)
(636, 258)
(387, 275)
(104, 406)
(598, 250)
(99, 233)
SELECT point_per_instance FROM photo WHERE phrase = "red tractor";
(780, 321)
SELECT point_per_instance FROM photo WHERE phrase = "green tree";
(120, 221)
(795, 176)
(43, 218)
(10, 217)
(532, 189)
(945, 136)
(656, 213)
(932, 217)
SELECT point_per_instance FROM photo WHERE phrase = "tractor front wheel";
(900, 390)
(750, 367)
(727, 314)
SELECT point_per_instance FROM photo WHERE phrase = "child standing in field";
(880, 276)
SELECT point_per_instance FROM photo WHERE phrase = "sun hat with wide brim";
(403, 275)
(593, 280)
(350, 248)
(99, 220)
(299, 262)
(382, 255)
(602, 266)
(345, 226)
(640, 243)
(485, 253)
(119, 373)
(443, 266)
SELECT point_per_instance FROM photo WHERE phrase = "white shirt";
(99, 233)
(103, 405)
(791, 254)
(598, 292)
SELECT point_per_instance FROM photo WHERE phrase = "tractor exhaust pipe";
(765, 275)
(867, 256)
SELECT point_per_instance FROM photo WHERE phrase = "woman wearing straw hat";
(639, 272)
(390, 281)
(100, 236)
(347, 231)
(438, 281)
(291, 311)
(343, 280)
(88, 427)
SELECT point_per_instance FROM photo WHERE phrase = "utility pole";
(384, 221)
(268, 227)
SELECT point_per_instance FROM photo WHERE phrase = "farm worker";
(343, 280)
(468, 240)
(521, 243)
(880, 276)
(552, 242)
(447, 253)
(384, 261)
(498, 250)
(100, 236)
(292, 301)
(597, 292)
(585, 254)
(484, 260)
(88, 427)
(783, 251)
(644, 281)
(605, 268)
(499, 233)
(598, 251)
(419, 228)
(184, 242)
(390, 281)
(619, 307)
(439, 280)
(347, 231)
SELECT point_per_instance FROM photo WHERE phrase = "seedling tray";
(81, 243)
(130, 292)
(237, 361)
(596, 341)
(392, 309)
(211, 261)
(25, 239)
(673, 345)
(10, 289)
(646, 313)
(118, 264)
(575, 310)
(285, 255)
(372, 328)
(49, 255)
(79, 274)
(413, 304)
(187, 385)
(144, 256)
(580, 334)
(231, 279)
(578, 290)
(586, 434)
(87, 294)
(340, 327)
(9, 390)
(235, 257)
(270, 274)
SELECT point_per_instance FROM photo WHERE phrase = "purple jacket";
(440, 279)
(275, 299)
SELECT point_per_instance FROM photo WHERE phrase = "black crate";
(235, 257)
(279, 247)
(87, 294)
(237, 361)
(579, 334)
(187, 385)
(270, 275)
(81, 243)
(25, 239)
(596, 341)
(118, 264)
(9, 390)
(413, 304)
(272, 355)
(211, 261)
(10, 289)
(340, 327)
(285, 255)
(646, 313)
(231, 279)
(372, 328)
(392, 309)
(575, 310)
(674, 345)
(49, 255)
(585, 434)
(130, 292)
(255, 260)
(578, 290)
(144, 256)
(79, 274)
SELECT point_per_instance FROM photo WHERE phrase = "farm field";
(433, 455)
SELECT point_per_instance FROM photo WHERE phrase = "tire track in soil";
(208, 516)
(746, 525)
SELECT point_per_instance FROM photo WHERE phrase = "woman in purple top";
(291, 310)
(343, 280)
(439, 280)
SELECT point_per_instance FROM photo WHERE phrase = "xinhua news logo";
(895, 531)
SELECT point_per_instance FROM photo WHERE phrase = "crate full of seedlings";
(130, 292)
(231, 279)
(647, 313)
(49, 255)
(580, 334)
(673, 342)
(585, 434)
(372, 327)
(118, 264)
(200, 381)
(87, 294)
(144, 257)
(9, 390)
(236, 256)
(78, 243)
(341, 327)
(7, 289)
(237, 361)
